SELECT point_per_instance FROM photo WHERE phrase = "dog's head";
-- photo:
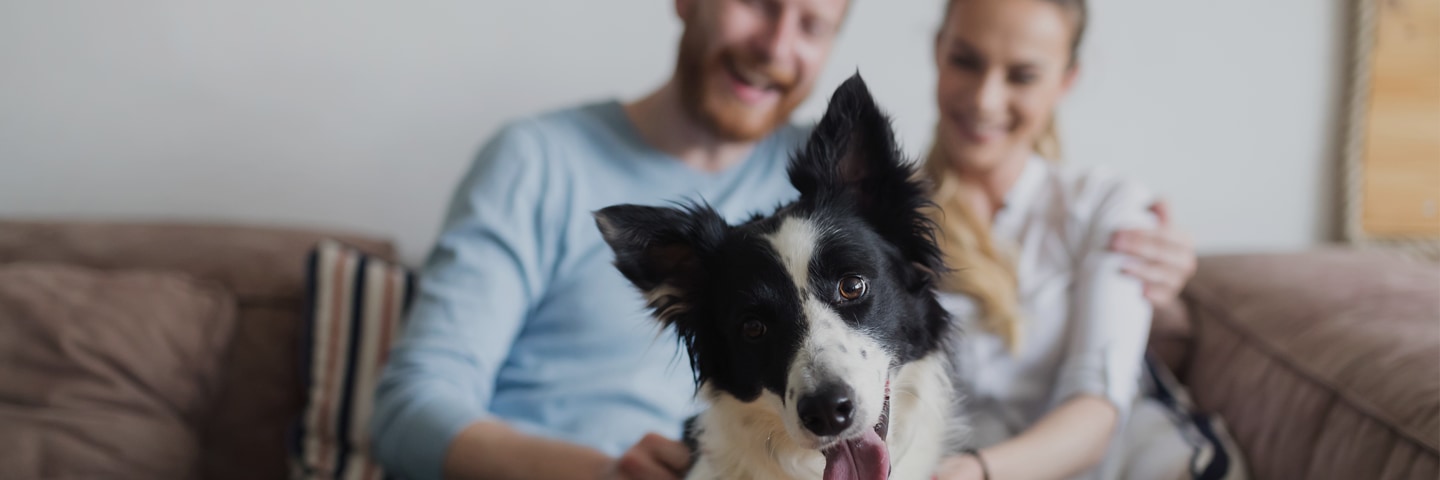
(812, 308)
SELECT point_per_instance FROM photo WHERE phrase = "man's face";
(744, 65)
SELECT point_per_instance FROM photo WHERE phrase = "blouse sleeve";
(1109, 318)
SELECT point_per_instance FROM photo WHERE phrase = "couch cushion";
(1324, 363)
(265, 267)
(106, 374)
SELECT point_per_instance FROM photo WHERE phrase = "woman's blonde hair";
(980, 269)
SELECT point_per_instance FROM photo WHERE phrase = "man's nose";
(779, 39)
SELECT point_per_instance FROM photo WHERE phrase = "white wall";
(362, 115)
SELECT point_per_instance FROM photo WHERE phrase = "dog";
(814, 332)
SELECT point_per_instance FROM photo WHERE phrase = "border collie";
(814, 333)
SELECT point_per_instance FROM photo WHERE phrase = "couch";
(240, 425)
(1324, 364)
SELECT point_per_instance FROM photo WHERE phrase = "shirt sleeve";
(1109, 314)
(486, 270)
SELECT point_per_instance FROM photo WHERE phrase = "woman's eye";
(852, 287)
(752, 329)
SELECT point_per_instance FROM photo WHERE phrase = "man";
(527, 355)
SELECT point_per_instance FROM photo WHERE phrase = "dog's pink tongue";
(864, 458)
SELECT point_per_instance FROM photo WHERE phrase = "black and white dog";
(813, 332)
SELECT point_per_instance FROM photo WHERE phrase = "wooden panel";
(1401, 160)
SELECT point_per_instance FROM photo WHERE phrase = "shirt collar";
(1020, 197)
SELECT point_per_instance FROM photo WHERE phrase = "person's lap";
(1152, 445)
(1164, 438)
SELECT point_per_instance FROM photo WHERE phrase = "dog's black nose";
(828, 411)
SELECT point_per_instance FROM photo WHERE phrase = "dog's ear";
(852, 156)
(659, 249)
(852, 150)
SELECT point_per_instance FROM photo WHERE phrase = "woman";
(1055, 326)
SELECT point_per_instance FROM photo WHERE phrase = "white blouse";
(1085, 322)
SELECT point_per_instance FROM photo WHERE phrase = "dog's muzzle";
(863, 457)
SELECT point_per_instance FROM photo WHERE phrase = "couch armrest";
(1324, 364)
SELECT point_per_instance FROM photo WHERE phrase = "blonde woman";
(1056, 321)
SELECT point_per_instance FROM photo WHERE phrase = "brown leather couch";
(1324, 364)
(241, 426)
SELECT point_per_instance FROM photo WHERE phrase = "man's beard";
(728, 118)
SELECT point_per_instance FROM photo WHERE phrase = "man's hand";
(1164, 256)
(652, 458)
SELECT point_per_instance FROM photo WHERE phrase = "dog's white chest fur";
(741, 440)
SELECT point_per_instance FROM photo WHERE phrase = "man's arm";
(486, 271)
(492, 450)
(504, 454)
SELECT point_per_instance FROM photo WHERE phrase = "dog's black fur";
(713, 282)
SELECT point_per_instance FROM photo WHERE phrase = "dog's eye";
(752, 329)
(852, 287)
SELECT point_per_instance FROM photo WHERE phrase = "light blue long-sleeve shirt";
(520, 315)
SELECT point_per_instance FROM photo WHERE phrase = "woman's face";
(1003, 64)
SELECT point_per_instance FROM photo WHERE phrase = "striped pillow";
(356, 306)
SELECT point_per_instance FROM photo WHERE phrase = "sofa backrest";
(264, 268)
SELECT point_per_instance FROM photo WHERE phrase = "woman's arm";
(1164, 256)
(1099, 376)
(1070, 439)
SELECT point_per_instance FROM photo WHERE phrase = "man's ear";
(658, 248)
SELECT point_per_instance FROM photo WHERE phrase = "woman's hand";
(960, 467)
(652, 458)
(1165, 256)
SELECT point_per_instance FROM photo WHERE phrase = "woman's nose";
(990, 94)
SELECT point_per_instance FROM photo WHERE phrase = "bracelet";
(984, 469)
